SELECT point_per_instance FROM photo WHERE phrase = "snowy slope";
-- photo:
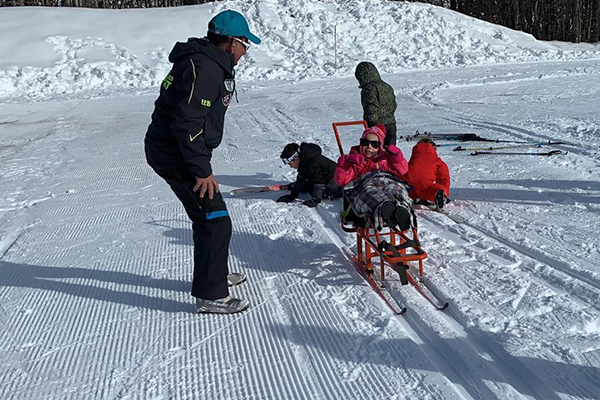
(95, 252)
(106, 51)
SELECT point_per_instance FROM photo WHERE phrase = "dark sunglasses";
(374, 143)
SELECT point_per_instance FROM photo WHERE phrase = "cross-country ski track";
(95, 285)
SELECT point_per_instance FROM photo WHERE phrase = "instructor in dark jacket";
(187, 124)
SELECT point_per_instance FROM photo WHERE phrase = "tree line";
(565, 20)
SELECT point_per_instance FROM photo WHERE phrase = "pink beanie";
(375, 130)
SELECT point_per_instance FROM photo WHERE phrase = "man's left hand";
(208, 184)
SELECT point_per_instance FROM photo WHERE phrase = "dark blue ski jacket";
(187, 122)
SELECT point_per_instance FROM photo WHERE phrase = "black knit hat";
(289, 150)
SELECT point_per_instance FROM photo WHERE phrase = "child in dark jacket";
(378, 100)
(315, 174)
(428, 174)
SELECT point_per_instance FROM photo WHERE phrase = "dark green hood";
(366, 73)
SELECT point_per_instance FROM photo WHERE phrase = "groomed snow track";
(94, 293)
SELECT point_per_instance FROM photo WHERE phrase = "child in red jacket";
(371, 175)
(428, 174)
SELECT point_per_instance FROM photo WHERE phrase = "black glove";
(311, 203)
(288, 198)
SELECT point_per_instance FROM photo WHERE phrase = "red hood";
(424, 148)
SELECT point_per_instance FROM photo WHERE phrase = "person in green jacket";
(378, 100)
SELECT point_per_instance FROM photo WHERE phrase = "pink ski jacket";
(353, 165)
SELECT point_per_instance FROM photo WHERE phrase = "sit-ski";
(392, 247)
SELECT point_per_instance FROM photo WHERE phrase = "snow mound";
(101, 50)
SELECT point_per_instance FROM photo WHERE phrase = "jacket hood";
(374, 130)
(202, 46)
(309, 150)
(366, 73)
(424, 148)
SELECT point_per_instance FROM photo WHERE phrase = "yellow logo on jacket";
(168, 81)
(195, 136)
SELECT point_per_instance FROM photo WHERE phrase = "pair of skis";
(460, 137)
(519, 153)
(516, 146)
(398, 308)
(479, 151)
(259, 189)
(394, 304)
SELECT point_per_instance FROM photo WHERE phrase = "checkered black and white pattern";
(367, 193)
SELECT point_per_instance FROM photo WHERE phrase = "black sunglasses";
(374, 143)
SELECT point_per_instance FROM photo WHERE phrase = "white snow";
(106, 51)
(96, 252)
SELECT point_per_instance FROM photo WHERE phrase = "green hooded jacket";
(377, 97)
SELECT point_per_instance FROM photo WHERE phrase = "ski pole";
(548, 154)
(548, 143)
(259, 189)
(461, 137)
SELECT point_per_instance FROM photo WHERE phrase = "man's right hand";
(208, 184)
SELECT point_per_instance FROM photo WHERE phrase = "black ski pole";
(517, 146)
(461, 137)
(504, 153)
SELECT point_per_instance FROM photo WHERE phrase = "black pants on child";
(211, 226)
(390, 134)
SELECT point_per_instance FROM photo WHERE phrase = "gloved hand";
(311, 203)
(397, 156)
(392, 149)
(343, 162)
(288, 198)
(356, 159)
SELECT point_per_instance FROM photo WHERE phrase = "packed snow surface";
(96, 252)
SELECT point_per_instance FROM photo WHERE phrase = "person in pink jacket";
(371, 176)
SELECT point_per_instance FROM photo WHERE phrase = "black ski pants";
(211, 226)
(390, 134)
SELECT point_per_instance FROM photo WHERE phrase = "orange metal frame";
(368, 239)
(337, 133)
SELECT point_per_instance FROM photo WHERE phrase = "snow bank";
(109, 50)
